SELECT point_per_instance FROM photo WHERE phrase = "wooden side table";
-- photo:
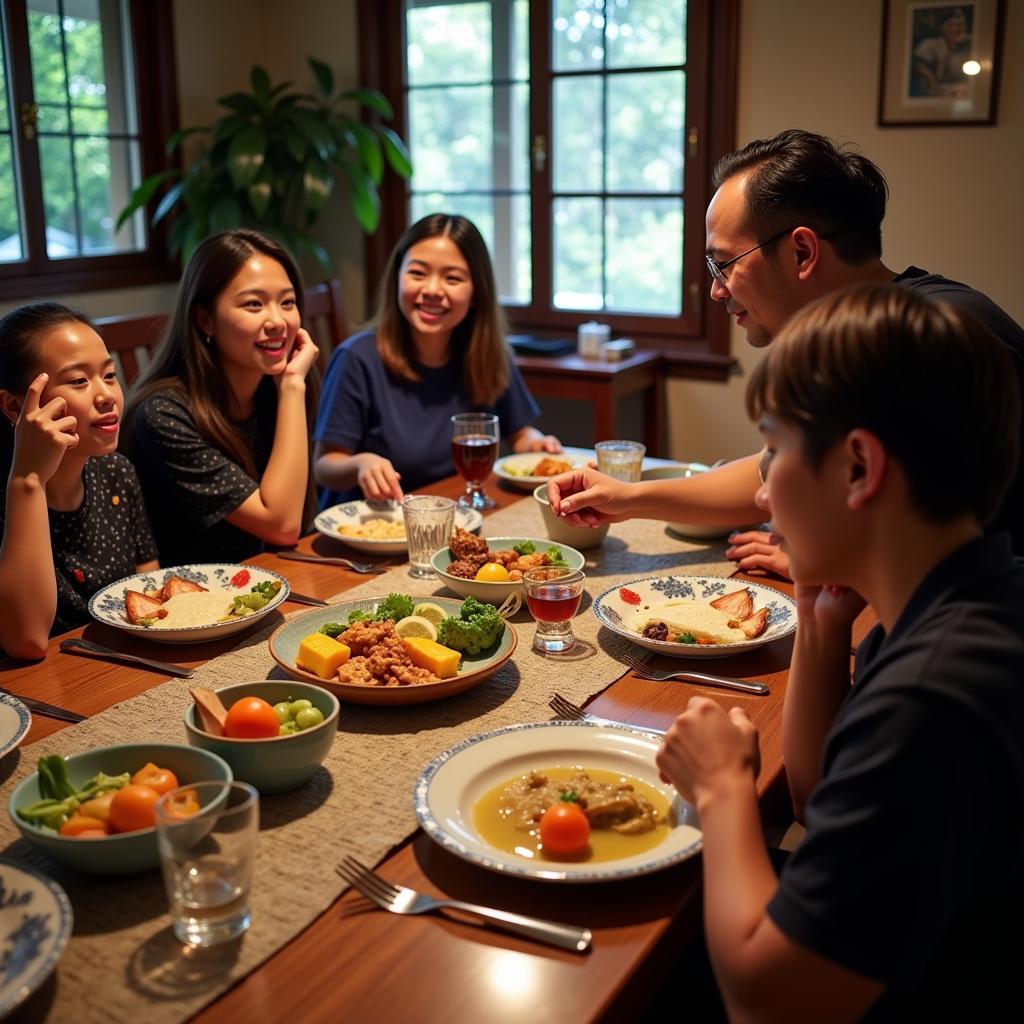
(602, 384)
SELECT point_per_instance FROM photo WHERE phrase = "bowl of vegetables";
(94, 811)
(278, 732)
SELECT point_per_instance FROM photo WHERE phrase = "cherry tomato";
(629, 596)
(240, 578)
(79, 824)
(163, 780)
(251, 718)
(564, 830)
(492, 572)
(182, 805)
(132, 808)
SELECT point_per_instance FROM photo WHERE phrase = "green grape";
(288, 728)
(308, 717)
(283, 710)
(299, 705)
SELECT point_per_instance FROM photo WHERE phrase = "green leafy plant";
(273, 160)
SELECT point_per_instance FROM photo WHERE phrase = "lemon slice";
(433, 612)
(416, 625)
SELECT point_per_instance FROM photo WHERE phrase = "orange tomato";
(251, 718)
(163, 780)
(564, 830)
(183, 804)
(132, 808)
(492, 572)
(80, 825)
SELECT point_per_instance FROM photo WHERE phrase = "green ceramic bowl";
(129, 852)
(278, 763)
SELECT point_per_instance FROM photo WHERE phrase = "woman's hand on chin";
(302, 357)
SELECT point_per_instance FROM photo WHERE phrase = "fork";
(400, 900)
(566, 710)
(641, 666)
(363, 567)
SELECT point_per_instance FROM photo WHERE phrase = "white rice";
(195, 608)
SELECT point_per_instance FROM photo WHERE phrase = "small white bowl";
(579, 537)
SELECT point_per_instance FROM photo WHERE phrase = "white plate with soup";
(462, 801)
(377, 527)
(204, 609)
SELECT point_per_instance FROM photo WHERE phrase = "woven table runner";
(123, 962)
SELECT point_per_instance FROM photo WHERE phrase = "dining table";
(357, 963)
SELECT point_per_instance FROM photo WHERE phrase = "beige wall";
(956, 200)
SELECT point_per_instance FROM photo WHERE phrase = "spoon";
(210, 710)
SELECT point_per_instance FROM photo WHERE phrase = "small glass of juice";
(553, 595)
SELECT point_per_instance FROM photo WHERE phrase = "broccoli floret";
(394, 606)
(358, 616)
(526, 548)
(332, 629)
(477, 627)
(555, 556)
(268, 588)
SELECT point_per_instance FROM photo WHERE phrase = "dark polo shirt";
(912, 869)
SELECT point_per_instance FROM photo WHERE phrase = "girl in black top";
(73, 519)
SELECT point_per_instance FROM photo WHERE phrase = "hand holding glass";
(553, 595)
(475, 437)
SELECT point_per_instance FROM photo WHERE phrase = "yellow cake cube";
(429, 654)
(322, 655)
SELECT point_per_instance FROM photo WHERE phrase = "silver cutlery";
(363, 567)
(400, 900)
(565, 709)
(40, 707)
(307, 599)
(75, 645)
(640, 665)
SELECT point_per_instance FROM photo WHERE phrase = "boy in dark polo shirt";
(889, 422)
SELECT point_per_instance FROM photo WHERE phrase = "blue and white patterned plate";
(450, 786)
(352, 513)
(618, 614)
(35, 925)
(14, 722)
(107, 605)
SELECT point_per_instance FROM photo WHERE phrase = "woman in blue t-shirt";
(437, 348)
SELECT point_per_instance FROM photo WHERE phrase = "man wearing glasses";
(793, 218)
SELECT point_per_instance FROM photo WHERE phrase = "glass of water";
(620, 459)
(206, 833)
(428, 528)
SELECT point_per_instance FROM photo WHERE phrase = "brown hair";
(936, 387)
(479, 340)
(185, 363)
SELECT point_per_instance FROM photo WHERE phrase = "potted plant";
(272, 161)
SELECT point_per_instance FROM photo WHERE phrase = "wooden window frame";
(156, 88)
(693, 345)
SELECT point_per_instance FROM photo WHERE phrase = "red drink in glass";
(553, 602)
(474, 456)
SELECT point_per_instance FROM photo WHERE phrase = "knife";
(73, 645)
(40, 707)
(307, 599)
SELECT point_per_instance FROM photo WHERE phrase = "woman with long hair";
(218, 422)
(437, 348)
(73, 519)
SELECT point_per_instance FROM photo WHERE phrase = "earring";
(208, 338)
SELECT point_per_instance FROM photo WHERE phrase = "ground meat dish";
(617, 807)
(465, 544)
(379, 657)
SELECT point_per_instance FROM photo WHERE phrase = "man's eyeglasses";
(718, 268)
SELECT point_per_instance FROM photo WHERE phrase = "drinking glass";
(475, 437)
(553, 595)
(206, 833)
(428, 528)
(620, 459)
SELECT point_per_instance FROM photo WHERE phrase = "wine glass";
(553, 595)
(474, 448)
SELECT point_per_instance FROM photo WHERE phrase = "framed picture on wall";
(940, 62)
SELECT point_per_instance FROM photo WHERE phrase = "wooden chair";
(131, 339)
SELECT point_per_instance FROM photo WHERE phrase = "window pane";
(521, 41)
(577, 38)
(578, 253)
(576, 134)
(450, 136)
(519, 142)
(645, 132)
(448, 43)
(646, 33)
(11, 247)
(5, 116)
(645, 255)
(87, 175)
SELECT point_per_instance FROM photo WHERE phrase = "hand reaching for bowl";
(585, 497)
(377, 478)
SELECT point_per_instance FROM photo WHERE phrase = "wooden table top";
(358, 964)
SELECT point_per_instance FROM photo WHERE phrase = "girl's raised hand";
(42, 434)
(303, 355)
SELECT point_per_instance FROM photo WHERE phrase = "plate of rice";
(377, 527)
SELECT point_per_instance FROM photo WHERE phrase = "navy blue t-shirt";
(366, 408)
